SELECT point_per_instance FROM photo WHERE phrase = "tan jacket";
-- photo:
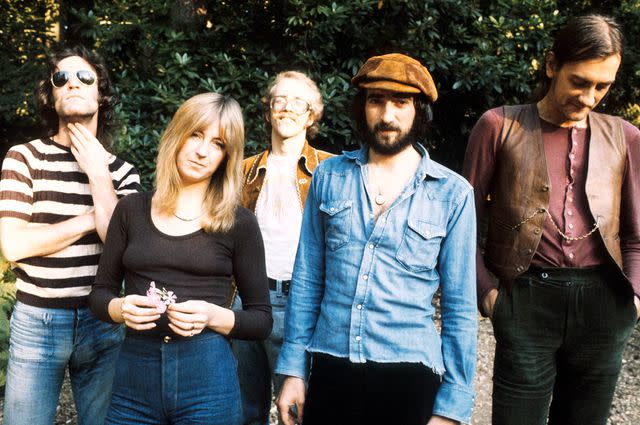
(255, 169)
(521, 188)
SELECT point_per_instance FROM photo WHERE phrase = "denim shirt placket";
(375, 229)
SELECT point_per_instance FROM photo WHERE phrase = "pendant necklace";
(188, 219)
(379, 199)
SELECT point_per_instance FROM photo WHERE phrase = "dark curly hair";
(421, 123)
(107, 100)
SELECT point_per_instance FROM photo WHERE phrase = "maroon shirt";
(567, 153)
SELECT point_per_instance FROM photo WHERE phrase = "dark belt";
(285, 284)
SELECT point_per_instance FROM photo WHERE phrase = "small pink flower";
(160, 298)
(160, 306)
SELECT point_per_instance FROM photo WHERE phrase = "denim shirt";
(362, 288)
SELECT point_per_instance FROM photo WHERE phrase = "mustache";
(385, 127)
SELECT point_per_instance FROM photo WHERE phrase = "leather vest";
(521, 187)
(255, 169)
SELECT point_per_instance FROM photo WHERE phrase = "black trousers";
(560, 335)
(341, 392)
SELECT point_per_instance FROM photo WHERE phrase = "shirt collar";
(308, 161)
(426, 168)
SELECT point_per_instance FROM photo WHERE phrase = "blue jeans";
(256, 365)
(43, 343)
(178, 381)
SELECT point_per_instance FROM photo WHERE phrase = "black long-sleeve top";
(196, 266)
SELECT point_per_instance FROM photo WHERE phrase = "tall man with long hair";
(57, 195)
(558, 186)
(384, 227)
(276, 183)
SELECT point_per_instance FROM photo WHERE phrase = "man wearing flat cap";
(383, 228)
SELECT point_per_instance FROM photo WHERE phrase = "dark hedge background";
(481, 54)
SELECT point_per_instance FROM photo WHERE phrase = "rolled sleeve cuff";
(293, 360)
(454, 402)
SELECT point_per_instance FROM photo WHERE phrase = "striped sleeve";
(16, 184)
(125, 177)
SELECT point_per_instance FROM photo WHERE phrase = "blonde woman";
(176, 249)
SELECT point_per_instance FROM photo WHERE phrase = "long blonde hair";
(223, 193)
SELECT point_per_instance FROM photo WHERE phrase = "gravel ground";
(626, 403)
(625, 409)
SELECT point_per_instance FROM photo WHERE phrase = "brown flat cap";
(396, 72)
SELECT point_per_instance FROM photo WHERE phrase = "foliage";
(482, 54)
(24, 26)
(7, 300)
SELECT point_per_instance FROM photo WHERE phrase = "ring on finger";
(191, 333)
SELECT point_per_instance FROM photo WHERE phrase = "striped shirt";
(42, 183)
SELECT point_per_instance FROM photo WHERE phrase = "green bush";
(7, 301)
(481, 53)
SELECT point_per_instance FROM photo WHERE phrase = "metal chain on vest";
(596, 226)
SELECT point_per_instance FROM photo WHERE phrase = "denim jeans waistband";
(165, 337)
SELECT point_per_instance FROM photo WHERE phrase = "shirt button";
(570, 198)
(519, 269)
(359, 306)
(571, 255)
(332, 209)
(358, 338)
(370, 246)
(569, 212)
(365, 277)
(570, 225)
(536, 231)
(302, 181)
(575, 143)
(545, 188)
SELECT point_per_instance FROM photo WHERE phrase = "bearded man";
(383, 228)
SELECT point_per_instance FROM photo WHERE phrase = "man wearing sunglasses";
(57, 194)
(276, 185)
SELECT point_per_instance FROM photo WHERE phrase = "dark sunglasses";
(60, 78)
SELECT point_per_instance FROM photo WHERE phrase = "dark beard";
(389, 149)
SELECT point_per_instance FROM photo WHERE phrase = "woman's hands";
(136, 311)
(188, 318)
(191, 317)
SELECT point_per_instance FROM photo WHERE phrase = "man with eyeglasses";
(57, 194)
(384, 228)
(275, 187)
